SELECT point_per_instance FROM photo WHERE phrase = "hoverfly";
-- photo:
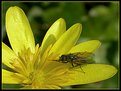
(77, 59)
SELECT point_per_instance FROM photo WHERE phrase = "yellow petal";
(54, 32)
(55, 73)
(7, 55)
(8, 78)
(18, 30)
(67, 40)
(55, 68)
(93, 73)
(88, 46)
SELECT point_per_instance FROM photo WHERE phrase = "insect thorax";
(68, 58)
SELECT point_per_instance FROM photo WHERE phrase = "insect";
(77, 59)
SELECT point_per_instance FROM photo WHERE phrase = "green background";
(100, 20)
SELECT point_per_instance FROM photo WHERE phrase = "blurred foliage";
(100, 20)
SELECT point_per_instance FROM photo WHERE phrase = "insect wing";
(85, 57)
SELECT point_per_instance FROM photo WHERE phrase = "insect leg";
(72, 63)
(82, 69)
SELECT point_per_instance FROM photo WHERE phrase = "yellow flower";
(35, 67)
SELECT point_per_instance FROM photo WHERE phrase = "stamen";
(44, 57)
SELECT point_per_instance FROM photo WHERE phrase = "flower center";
(36, 70)
(28, 66)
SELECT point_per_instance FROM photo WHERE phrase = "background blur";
(100, 20)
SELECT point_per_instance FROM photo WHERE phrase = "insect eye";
(62, 56)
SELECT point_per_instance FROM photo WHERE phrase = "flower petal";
(54, 32)
(7, 55)
(67, 40)
(18, 30)
(93, 73)
(55, 73)
(88, 46)
(8, 78)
